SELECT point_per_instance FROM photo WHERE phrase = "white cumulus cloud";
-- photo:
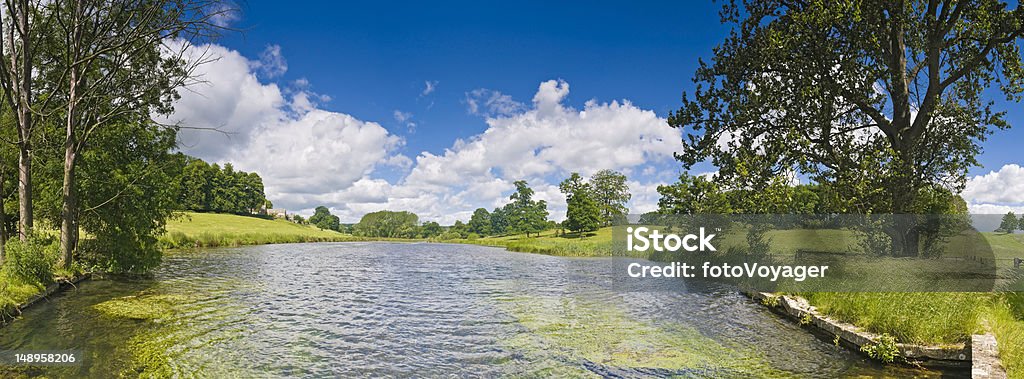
(309, 156)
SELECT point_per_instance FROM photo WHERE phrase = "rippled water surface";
(424, 310)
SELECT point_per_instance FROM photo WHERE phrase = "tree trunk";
(906, 235)
(3, 222)
(69, 209)
(69, 191)
(25, 190)
(24, 124)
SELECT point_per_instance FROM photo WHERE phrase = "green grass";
(213, 229)
(594, 244)
(911, 317)
(1006, 319)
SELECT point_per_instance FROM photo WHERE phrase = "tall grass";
(912, 317)
(1007, 323)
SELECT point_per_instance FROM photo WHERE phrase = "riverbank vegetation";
(85, 170)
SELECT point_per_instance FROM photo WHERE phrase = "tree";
(17, 64)
(430, 229)
(693, 195)
(460, 229)
(126, 195)
(113, 61)
(480, 222)
(205, 187)
(1020, 224)
(572, 184)
(299, 219)
(875, 100)
(323, 219)
(1009, 223)
(388, 224)
(611, 193)
(582, 214)
(499, 221)
(524, 214)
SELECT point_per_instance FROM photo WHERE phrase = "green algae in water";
(142, 307)
(564, 333)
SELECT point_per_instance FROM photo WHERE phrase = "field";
(593, 244)
(213, 229)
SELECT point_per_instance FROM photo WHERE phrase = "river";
(423, 310)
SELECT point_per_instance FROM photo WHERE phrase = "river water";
(423, 310)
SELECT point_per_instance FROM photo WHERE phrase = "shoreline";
(55, 288)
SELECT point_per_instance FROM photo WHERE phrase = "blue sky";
(373, 58)
(373, 61)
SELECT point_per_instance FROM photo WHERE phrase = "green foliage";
(806, 319)
(693, 195)
(430, 229)
(583, 213)
(323, 219)
(32, 261)
(523, 214)
(127, 194)
(388, 224)
(794, 88)
(460, 229)
(449, 235)
(480, 222)
(1009, 223)
(884, 349)
(499, 221)
(210, 188)
(611, 193)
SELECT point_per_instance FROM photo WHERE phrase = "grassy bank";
(28, 268)
(594, 244)
(191, 230)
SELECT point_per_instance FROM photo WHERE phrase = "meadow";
(192, 230)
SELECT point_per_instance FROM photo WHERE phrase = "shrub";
(884, 349)
(32, 261)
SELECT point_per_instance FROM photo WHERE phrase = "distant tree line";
(211, 188)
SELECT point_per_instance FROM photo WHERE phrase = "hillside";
(214, 229)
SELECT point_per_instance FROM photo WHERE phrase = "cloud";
(224, 13)
(542, 145)
(1003, 186)
(309, 156)
(229, 99)
(996, 192)
(405, 118)
(488, 103)
(272, 64)
(428, 87)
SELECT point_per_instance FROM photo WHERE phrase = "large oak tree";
(879, 101)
